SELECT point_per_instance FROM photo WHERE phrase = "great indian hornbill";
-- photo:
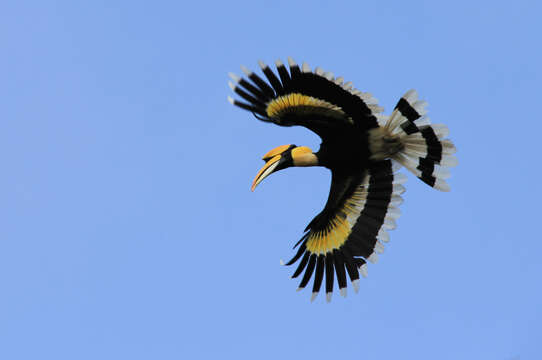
(363, 149)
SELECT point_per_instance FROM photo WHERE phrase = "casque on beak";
(266, 170)
(282, 157)
(274, 158)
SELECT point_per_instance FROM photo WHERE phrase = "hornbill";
(362, 147)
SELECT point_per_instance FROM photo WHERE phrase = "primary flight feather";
(363, 149)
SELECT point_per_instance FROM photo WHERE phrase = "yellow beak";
(265, 171)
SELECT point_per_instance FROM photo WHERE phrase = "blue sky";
(127, 225)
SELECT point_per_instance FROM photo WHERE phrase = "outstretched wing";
(351, 229)
(316, 100)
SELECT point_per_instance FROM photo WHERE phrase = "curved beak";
(266, 170)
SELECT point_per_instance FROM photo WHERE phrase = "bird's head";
(282, 157)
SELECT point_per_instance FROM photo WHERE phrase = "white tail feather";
(424, 150)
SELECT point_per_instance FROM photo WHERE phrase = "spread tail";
(422, 149)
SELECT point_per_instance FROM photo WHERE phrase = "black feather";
(309, 271)
(302, 265)
(319, 274)
(329, 273)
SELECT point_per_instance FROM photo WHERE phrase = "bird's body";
(363, 149)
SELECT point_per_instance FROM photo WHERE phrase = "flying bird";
(361, 146)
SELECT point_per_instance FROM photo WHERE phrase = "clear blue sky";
(127, 225)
